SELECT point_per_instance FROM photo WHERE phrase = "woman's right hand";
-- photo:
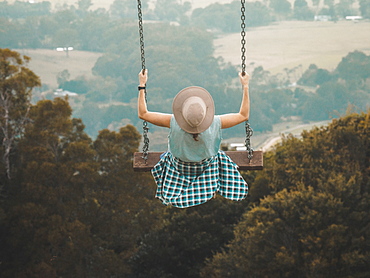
(143, 77)
(244, 79)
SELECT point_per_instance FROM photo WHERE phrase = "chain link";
(243, 33)
(248, 135)
(142, 51)
(248, 129)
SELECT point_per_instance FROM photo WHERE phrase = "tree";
(344, 8)
(92, 30)
(300, 4)
(356, 65)
(63, 77)
(84, 5)
(78, 209)
(54, 160)
(315, 3)
(16, 84)
(365, 8)
(314, 76)
(302, 11)
(330, 9)
(126, 8)
(227, 17)
(315, 223)
(297, 234)
(65, 37)
(180, 247)
(171, 10)
(281, 7)
(331, 100)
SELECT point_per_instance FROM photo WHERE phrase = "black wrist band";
(141, 88)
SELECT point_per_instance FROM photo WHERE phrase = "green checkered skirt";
(186, 184)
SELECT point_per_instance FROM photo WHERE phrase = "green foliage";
(180, 247)
(77, 85)
(17, 81)
(336, 91)
(34, 25)
(356, 65)
(316, 224)
(365, 8)
(126, 8)
(331, 98)
(344, 8)
(84, 5)
(75, 208)
(21, 9)
(314, 76)
(303, 13)
(16, 84)
(226, 18)
(280, 6)
(171, 10)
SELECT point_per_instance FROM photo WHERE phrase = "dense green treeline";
(315, 221)
(71, 206)
(27, 25)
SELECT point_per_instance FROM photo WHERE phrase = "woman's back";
(183, 146)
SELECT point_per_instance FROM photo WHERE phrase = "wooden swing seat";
(239, 157)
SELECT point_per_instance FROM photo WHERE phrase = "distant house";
(354, 17)
(63, 93)
(322, 17)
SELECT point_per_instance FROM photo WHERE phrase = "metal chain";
(243, 33)
(248, 135)
(248, 129)
(142, 51)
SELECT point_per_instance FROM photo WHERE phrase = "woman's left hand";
(143, 77)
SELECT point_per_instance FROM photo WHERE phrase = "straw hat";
(194, 109)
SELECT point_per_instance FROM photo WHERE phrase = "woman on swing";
(194, 169)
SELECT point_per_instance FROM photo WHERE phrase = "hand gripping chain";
(248, 129)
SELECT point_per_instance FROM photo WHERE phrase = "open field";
(48, 63)
(293, 43)
(283, 45)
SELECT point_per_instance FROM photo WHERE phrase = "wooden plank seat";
(239, 157)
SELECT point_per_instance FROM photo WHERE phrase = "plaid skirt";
(186, 184)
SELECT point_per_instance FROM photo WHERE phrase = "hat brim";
(177, 108)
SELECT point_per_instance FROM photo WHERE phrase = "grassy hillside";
(48, 63)
(293, 43)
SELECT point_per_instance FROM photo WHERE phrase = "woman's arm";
(232, 119)
(159, 119)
